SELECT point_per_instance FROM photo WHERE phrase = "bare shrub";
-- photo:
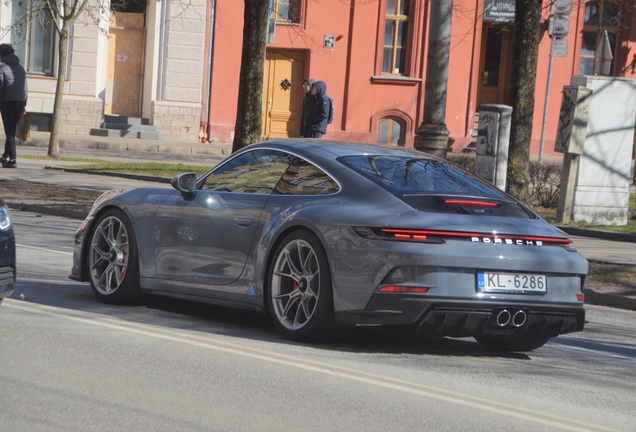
(463, 160)
(545, 180)
(545, 184)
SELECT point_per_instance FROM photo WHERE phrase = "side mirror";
(186, 182)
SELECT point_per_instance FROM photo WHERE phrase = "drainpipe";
(162, 57)
(204, 129)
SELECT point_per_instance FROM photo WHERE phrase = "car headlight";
(5, 218)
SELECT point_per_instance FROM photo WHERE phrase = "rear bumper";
(456, 318)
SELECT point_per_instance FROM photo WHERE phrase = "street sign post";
(558, 27)
(559, 48)
(562, 7)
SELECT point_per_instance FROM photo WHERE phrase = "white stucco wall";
(173, 69)
(176, 108)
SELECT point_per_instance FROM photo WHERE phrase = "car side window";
(256, 172)
(304, 178)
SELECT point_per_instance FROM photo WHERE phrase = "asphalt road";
(69, 362)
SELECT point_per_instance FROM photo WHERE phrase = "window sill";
(287, 23)
(395, 79)
(39, 75)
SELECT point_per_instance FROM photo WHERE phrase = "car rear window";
(429, 184)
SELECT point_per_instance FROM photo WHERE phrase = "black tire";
(112, 259)
(520, 344)
(300, 296)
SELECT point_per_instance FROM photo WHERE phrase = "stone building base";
(78, 116)
(179, 121)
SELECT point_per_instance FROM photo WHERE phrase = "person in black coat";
(308, 102)
(13, 99)
(319, 117)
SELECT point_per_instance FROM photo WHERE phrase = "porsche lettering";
(497, 240)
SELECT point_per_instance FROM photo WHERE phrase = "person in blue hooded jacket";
(13, 99)
(319, 116)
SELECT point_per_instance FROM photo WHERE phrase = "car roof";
(341, 148)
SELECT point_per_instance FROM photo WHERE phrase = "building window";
(390, 131)
(396, 37)
(33, 35)
(599, 16)
(287, 11)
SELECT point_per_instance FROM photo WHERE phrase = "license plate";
(523, 283)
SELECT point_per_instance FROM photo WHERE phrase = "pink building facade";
(372, 56)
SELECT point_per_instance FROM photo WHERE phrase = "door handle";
(269, 103)
(245, 222)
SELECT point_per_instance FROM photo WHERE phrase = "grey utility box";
(575, 109)
(601, 193)
(493, 139)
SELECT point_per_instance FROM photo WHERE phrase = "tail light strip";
(407, 234)
(471, 203)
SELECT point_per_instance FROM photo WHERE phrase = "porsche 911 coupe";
(320, 234)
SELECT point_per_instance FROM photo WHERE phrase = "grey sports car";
(318, 233)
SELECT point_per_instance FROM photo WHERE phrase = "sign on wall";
(499, 11)
(329, 41)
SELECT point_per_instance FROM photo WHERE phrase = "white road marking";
(212, 343)
(44, 249)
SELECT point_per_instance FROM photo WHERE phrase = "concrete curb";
(599, 234)
(609, 300)
(143, 177)
(52, 211)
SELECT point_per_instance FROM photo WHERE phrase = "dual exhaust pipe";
(515, 318)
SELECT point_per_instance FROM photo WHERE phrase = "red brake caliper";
(296, 288)
(122, 272)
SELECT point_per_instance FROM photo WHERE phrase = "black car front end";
(7, 252)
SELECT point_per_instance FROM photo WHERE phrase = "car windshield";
(407, 175)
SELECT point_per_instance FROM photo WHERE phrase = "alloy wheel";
(295, 287)
(108, 256)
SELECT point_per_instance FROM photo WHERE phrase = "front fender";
(140, 206)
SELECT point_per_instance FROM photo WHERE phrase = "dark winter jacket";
(13, 85)
(320, 109)
(308, 103)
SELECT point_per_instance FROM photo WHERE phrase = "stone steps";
(127, 127)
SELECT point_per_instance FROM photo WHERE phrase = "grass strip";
(613, 274)
(65, 159)
(148, 168)
(550, 216)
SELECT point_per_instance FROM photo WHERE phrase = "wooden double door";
(283, 94)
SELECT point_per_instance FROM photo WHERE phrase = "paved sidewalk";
(67, 141)
(598, 246)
